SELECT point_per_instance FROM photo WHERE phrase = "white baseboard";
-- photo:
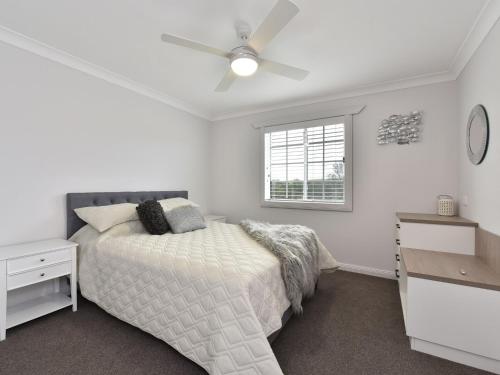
(367, 270)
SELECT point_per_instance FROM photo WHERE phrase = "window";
(308, 164)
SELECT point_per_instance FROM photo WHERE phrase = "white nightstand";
(219, 218)
(24, 270)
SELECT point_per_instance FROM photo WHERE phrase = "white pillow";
(104, 217)
(171, 203)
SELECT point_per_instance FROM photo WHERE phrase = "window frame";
(307, 205)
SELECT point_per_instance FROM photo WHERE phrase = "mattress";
(213, 294)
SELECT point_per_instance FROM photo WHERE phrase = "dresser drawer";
(34, 261)
(40, 274)
(448, 238)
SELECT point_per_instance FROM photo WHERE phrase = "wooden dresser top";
(441, 266)
(408, 217)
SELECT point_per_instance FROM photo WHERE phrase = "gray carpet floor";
(353, 325)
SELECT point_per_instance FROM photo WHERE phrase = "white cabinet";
(446, 318)
(30, 280)
(450, 299)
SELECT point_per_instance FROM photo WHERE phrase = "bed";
(215, 294)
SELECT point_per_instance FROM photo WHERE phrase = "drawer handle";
(397, 273)
(398, 226)
(42, 274)
(397, 257)
(398, 242)
(42, 259)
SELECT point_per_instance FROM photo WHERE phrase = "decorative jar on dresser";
(31, 280)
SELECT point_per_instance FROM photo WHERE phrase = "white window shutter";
(305, 164)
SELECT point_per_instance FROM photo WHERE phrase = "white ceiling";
(345, 44)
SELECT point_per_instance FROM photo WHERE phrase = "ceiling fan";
(244, 59)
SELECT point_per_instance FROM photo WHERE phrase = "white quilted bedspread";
(213, 294)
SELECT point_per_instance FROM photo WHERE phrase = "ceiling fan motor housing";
(243, 31)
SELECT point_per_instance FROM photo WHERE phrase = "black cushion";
(152, 217)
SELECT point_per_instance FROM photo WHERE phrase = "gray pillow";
(185, 219)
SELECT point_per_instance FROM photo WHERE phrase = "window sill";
(319, 206)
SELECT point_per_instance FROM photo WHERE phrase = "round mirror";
(477, 134)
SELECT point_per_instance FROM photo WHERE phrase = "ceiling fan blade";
(168, 38)
(226, 81)
(283, 70)
(280, 15)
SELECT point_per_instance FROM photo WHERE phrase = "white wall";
(479, 83)
(64, 131)
(386, 178)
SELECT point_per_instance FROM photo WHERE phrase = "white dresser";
(30, 280)
(450, 298)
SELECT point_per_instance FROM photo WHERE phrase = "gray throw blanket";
(297, 248)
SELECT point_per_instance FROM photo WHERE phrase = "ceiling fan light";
(244, 65)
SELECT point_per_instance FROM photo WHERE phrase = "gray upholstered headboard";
(76, 200)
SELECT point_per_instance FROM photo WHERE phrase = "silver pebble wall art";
(400, 129)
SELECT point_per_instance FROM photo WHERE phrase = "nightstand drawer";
(40, 260)
(41, 274)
